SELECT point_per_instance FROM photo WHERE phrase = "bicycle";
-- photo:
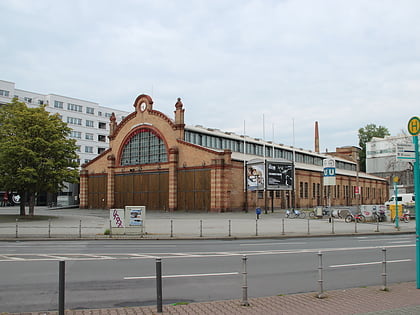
(403, 218)
(360, 218)
(295, 214)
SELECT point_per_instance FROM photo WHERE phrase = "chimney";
(316, 138)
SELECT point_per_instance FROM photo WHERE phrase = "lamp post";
(397, 218)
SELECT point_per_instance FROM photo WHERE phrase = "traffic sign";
(414, 126)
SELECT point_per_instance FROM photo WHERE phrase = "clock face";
(143, 106)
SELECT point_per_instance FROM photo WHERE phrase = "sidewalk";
(401, 298)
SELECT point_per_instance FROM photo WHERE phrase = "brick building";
(162, 163)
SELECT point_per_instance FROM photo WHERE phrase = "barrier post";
(17, 228)
(230, 228)
(282, 226)
(244, 282)
(172, 228)
(332, 226)
(321, 294)
(61, 286)
(201, 228)
(49, 228)
(159, 285)
(256, 227)
(384, 275)
(308, 227)
(80, 229)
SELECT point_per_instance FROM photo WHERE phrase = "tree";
(36, 154)
(365, 135)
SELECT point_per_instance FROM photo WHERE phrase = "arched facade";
(160, 163)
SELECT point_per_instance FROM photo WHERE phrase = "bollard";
(61, 286)
(308, 228)
(282, 226)
(110, 229)
(355, 225)
(230, 228)
(159, 285)
(332, 226)
(49, 228)
(17, 228)
(201, 228)
(244, 282)
(256, 227)
(321, 294)
(80, 229)
(172, 228)
(384, 275)
(377, 223)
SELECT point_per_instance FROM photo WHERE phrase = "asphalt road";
(118, 273)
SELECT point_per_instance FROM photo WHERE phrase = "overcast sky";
(271, 68)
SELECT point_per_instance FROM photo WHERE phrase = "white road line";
(184, 276)
(384, 239)
(370, 263)
(272, 244)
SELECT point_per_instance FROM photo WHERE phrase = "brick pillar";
(173, 179)
(110, 185)
(83, 189)
(217, 186)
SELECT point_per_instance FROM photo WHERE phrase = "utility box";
(130, 220)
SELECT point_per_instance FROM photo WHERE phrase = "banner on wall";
(279, 175)
(255, 175)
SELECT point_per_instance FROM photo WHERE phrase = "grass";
(180, 303)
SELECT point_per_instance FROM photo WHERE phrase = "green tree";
(365, 135)
(36, 154)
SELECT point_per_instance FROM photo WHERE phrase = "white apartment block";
(381, 160)
(89, 121)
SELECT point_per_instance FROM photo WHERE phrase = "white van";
(404, 199)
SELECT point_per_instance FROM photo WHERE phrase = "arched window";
(143, 147)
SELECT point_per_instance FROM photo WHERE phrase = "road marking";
(185, 276)
(370, 263)
(258, 244)
(384, 239)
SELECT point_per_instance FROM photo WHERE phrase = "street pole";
(397, 219)
(417, 205)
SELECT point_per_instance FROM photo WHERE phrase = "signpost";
(414, 130)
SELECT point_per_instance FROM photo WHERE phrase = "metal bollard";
(159, 285)
(244, 282)
(61, 286)
(49, 228)
(332, 226)
(384, 275)
(230, 228)
(282, 226)
(256, 227)
(321, 294)
(110, 229)
(17, 228)
(355, 225)
(201, 228)
(308, 228)
(377, 223)
(172, 228)
(80, 229)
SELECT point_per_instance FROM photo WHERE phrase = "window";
(301, 189)
(74, 121)
(74, 107)
(306, 190)
(76, 134)
(144, 146)
(102, 138)
(78, 148)
(89, 136)
(99, 113)
(100, 150)
(58, 104)
(88, 149)
(102, 125)
(90, 110)
(4, 93)
(40, 102)
(260, 194)
(27, 99)
(108, 115)
(89, 123)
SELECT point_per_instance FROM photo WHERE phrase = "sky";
(268, 69)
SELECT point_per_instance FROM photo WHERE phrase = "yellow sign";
(414, 126)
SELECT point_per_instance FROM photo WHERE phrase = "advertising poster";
(136, 218)
(255, 176)
(279, 176)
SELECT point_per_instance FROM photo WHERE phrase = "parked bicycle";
(379, 216)
(360, 218)
(405, 217)
(295, 214)
(314, 212)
